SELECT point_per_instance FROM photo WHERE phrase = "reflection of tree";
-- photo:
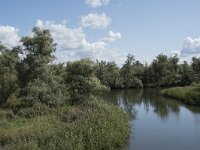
(161, 105)
(129, 101)
(129, 98)
(194, 109)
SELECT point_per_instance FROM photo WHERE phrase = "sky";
(107, 29)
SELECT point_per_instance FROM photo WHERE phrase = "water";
(158, 123)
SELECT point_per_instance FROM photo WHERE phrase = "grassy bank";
(95, 125)
(188, 94)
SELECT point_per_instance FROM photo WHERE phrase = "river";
(158, 123)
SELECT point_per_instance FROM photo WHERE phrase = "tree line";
(34, 78)
(164, 71)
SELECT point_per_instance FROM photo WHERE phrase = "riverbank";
(95, 125)
(188, 94)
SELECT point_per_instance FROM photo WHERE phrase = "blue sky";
(107, 29)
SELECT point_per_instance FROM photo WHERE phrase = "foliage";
(46, 89)
(8, 73)
(38, 50)
(129, 72)
(196, 67)
(188, 94)
(84, 127)
(82, 81)
(109, 74)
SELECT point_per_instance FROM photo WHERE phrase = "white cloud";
(73, 39)
(68, 38)
(112, 36)
(97, 3)
(72, 43)
(191, 46)
(9, 36)
(101, 54)
(95, 20)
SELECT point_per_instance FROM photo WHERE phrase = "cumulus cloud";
(72, 39)
(97, 3)
(95, 20)
(72, 43)
(9, 36)
(112, 36)
(191, 46)
(68, 38)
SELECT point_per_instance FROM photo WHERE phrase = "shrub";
(82, 81)
(95, 125)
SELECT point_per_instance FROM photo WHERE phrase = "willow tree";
(8, 73)
(38, 50)
(38, 82)
(82, 81)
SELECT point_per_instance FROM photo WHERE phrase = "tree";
(8, 73)
(48, 89)
(196, 68)
(38, 50)
(174, 77)
(109, 74)
(160, 69)
(82, 81)
(186, 74)
(129, 73)
(38, 82)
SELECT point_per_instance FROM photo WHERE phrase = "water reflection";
(158, 122)
(128, 99)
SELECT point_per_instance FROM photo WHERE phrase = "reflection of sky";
(171, 133)
(160, 123)
(197, 120)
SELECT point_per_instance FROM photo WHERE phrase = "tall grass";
(188, 94)
(92, 126)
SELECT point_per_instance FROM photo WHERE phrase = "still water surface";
(158, 123)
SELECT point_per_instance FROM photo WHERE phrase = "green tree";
(109, 74)
(38, 50)
(47, 89)
(129, 73)
(160, 68)
(82, 81)
(174, 77)
(39, 83)
(196, 68)
(186, 74)
(8, 73)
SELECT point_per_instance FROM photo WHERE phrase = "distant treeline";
(164, 71)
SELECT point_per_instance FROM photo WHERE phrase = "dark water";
(158, 123)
